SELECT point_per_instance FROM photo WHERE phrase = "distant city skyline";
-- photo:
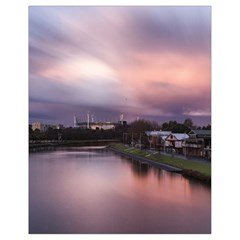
(148, 62)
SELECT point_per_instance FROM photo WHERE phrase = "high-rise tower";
(75, 122)
(88, 119)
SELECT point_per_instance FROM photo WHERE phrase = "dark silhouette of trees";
(140, 126)
(134, 131)
(188, 123)
(208, 127)
(175, 127)
(52, 134)
(76, 134)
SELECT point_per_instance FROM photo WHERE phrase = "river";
(94, 190)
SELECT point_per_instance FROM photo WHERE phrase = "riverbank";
(144, 160)
(70, 143)
(187, 168)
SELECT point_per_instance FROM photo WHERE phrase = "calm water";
(88, 190)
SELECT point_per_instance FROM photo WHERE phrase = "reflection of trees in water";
(159, 173)
(128, 160)
(139, 168)
(173, 175)
(195, 183)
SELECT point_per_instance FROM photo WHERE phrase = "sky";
(146, 62)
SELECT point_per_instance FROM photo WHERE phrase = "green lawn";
(173, 161)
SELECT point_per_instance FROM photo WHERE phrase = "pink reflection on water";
(100, 192)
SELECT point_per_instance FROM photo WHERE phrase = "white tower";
(121, 118)
(88, 118)
(75, 122)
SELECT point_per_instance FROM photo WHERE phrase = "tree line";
(75, 134)
(173, 126)
(132, 130)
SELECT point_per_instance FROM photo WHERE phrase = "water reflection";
(158, 173)
(97, 191)
(140, 169)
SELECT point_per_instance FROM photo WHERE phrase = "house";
(155, 138)
(198, 144)
(173, 142)
(202, 134)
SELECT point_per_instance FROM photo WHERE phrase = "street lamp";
(140, 141)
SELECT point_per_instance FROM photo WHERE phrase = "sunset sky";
(147, 62)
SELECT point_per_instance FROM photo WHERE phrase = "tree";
(188, 123)
(175, 127)
(52, 134)
(30, 132)
(142, 125)
(208, 127)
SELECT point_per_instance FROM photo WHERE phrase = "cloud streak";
(158, 58)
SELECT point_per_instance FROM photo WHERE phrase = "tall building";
(75, 125)
(122, 121)
(44, 127)
(37, 125)
(92, 124)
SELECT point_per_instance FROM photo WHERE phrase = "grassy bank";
(190, 168)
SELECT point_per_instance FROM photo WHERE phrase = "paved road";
(201, 160)
(205, 161)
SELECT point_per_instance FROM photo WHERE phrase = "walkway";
(201, 160)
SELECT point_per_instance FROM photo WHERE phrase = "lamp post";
(126, 138)
(140, 141)
(132, 139)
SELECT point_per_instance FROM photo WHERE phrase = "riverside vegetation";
(192, 169)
